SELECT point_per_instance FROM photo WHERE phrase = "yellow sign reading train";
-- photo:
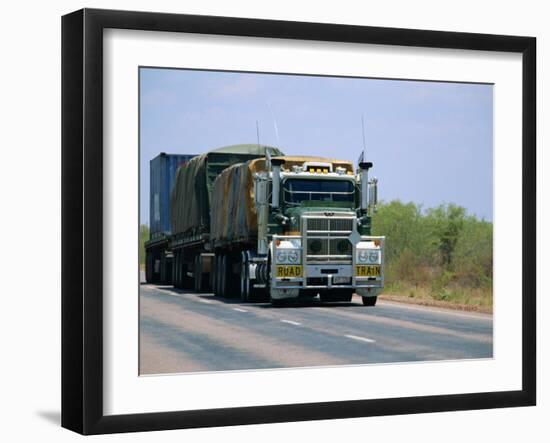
(367, 271)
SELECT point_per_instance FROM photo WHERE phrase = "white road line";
(240, 310)
(355, 337)
(290, 322)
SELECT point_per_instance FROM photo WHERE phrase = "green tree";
(405, 229)
(143, 237)
(448, 221)
(441, 252)
(473, 257)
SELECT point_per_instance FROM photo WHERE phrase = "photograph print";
(299, 221)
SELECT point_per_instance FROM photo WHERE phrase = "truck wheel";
(211, 276)
(275, 302)
(369, 301)
(162, 279)
(245, 279)
(175, 270)
(233, 278)
(219, 275)
(186, 282)
(223, 275)
(341, 295)
(148, 267)
(215, 277)
(178, 271)
(197, 274)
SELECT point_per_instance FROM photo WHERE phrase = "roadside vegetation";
(143, 237)
(436, 256)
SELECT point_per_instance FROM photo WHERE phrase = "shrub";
(143, 237)
(441, 249)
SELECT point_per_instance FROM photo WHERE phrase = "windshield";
(298, 190)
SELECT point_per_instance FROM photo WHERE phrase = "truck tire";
(337, 295)
(154, 277)
(177, 280)
(212, 276)
(275, 302)
(219, 276)
(162, 279)
(223, 275)
(216, 276)
(245, 278)
(148, 267)
(219, 273)
(198, 276)
(369, 301)
(186, 282)
(168, 267)
(175, 269)
(232, 286)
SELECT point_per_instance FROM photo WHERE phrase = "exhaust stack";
(276, 181)
(365, 166)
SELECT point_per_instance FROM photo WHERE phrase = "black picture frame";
(82, 215)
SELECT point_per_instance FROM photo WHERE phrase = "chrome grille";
(328, 246)
(327, 238)
(330, 224)
(317, 224)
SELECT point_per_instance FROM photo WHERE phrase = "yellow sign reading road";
(289, 271)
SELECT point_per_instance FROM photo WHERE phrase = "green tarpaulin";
(190, 197)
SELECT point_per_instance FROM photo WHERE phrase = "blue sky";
(430, 142)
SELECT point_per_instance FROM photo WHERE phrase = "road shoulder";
(436, 303)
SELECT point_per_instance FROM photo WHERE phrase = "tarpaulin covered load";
(233, 210)
(190, 198)
(234, 214)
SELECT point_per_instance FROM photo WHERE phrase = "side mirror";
(373, 193)
(260, 190)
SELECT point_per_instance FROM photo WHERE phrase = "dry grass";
(451, 296)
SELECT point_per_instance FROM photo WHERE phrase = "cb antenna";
(274, 124)
(364, 158)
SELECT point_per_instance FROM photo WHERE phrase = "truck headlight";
(368, 256)
(293, 256)
(287, 256)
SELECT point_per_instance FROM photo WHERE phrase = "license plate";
(367, 271)
(289, 271)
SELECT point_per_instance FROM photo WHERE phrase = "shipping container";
(163, 170)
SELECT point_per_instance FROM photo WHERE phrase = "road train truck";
(249, 221)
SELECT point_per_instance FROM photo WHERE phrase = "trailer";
(158, 259)
(182, 254)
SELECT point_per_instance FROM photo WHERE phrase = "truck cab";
(318, 231)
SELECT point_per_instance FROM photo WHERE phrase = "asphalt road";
(182, 331)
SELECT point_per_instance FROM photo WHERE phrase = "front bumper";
(326, 275)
